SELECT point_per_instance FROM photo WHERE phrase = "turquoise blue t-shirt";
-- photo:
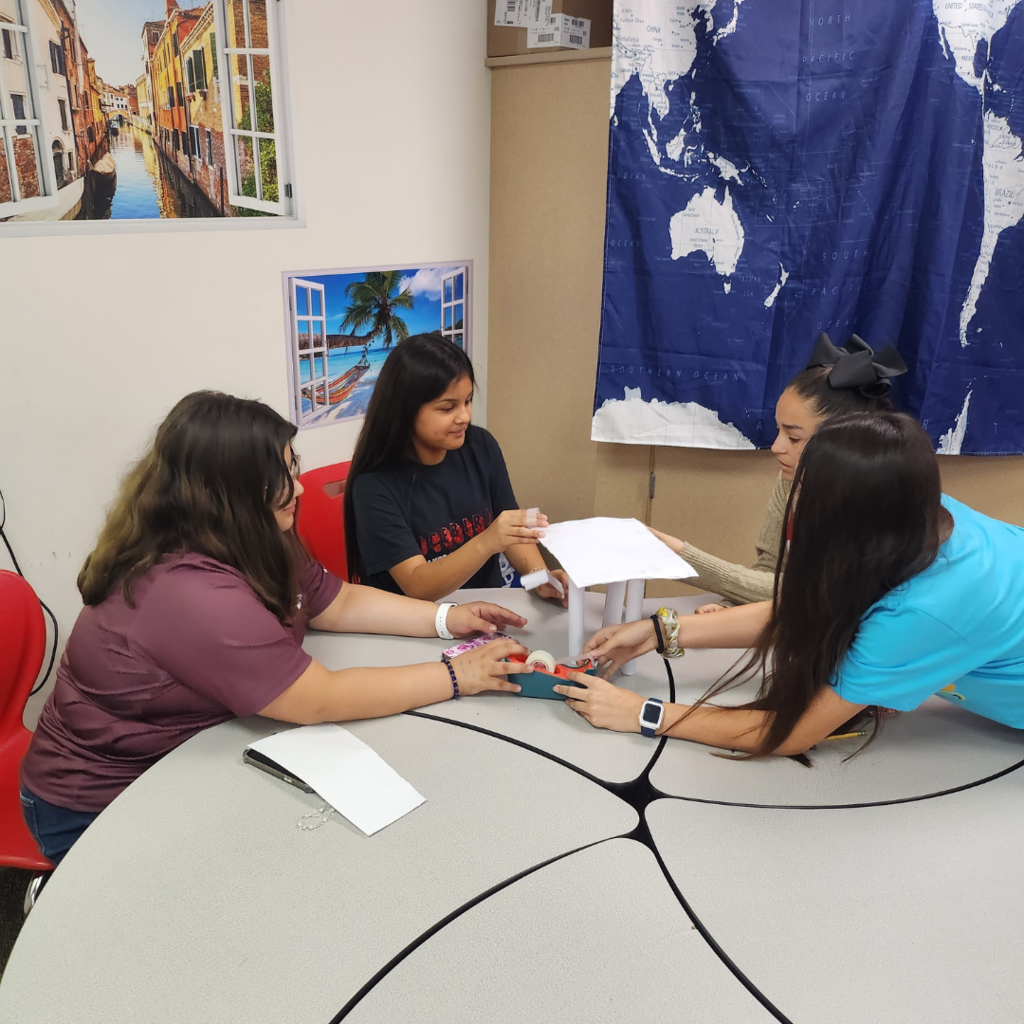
(955, 630)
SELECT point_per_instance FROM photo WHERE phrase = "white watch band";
(441, 621)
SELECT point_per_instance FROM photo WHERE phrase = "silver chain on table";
(314, 819)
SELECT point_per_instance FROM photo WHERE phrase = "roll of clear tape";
(541, 659)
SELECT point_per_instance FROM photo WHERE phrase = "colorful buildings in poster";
(142, 115)
(185, 82)
(57, 115)
(52, 124)
(203, 110)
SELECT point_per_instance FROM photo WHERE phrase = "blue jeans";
(55, 829)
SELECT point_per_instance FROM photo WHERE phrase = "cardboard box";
(509, 23)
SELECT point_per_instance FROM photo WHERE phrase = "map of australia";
(775, 173)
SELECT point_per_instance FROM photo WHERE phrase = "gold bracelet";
(670, 626)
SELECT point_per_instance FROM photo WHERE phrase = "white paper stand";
(607, 551)
(613, 604)
(634, 611)
(575, 620)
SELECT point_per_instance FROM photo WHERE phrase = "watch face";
(652, 713)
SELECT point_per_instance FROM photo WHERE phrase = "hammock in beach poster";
(342, 325)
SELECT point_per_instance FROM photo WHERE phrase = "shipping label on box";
(522, 13)
(538, 13)
(510, 13)
(561, 30)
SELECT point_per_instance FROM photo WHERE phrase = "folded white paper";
(603, 550)
(537, 578)
(352, 777)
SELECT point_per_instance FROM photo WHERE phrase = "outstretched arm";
(359, 609)
(320, 695)
(612, 646)
(606, 706)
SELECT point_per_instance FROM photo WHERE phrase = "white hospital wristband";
(441, 621)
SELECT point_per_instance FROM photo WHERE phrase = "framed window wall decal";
(343, 324)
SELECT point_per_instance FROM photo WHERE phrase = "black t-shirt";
(410, 509)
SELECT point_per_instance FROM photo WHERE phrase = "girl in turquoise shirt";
(892, 592)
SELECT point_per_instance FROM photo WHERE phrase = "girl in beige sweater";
(836, 381)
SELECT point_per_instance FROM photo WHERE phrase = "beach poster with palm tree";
(343, 324)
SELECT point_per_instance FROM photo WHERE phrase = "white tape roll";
(542, 659)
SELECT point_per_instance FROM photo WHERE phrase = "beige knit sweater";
(736, 583)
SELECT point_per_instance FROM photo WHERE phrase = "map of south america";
(774, 174)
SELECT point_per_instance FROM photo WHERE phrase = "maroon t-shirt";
(198, 648)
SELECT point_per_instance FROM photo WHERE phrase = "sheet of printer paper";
(604, 550)
(352, 777)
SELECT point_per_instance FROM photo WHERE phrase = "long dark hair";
(418, 371)
(813, 386)
(209, 484)
(867, 516)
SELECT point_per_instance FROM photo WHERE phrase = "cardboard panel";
(549, 141)
(991, 484)
(713, 499)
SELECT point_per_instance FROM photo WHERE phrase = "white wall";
(101, 334)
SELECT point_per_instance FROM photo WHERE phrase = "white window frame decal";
(450, 332)
(318, 384)
(232, 132)
(9, 125)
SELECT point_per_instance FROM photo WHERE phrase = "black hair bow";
(855, 365)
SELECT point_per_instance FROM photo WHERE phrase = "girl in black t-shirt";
(428, 504)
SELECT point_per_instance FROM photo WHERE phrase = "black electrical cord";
(45, 607)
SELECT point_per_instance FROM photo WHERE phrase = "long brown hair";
(209, 484)
(867, 516)
(418, 371)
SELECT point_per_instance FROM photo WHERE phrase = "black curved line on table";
(814, 807)
(625, 790)
(842, 807)
(444, 922)
(421, 939)
(638, 793)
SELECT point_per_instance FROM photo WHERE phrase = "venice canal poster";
(141, 110)
(343, 324)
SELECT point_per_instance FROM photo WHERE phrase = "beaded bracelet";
(451, 672)
(670, 624)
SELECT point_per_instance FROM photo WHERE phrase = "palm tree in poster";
(374, 302)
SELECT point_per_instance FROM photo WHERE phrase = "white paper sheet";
(537, 578)
(603, 550)
(352, 777)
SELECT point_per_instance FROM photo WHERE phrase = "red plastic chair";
(320, 522)
(21, 657)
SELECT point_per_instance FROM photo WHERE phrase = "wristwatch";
(651, 715)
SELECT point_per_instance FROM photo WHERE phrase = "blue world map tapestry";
(779, 168)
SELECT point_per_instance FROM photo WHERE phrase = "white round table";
(554, 873)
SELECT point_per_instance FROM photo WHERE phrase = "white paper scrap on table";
(352, 777)
(604, 550)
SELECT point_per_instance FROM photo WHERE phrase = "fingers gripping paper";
(603, 550)
(353, 778)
